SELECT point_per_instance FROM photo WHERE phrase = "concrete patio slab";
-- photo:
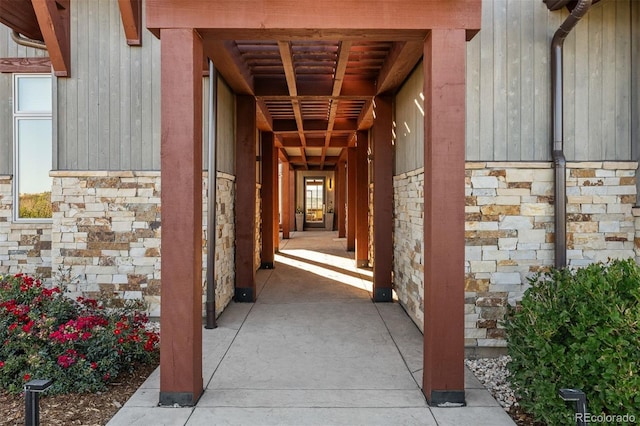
(312, 416)
(313, 350)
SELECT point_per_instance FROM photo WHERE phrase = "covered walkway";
(314, 349)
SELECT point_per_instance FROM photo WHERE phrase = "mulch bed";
(88, 409)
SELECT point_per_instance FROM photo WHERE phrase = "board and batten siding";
(409, 119)
(225, 123)
(109, 109)
(509, 90)
(9, 49)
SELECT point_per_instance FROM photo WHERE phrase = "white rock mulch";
(494, 375)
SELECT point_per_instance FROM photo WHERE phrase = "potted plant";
(299, 219)
(328, 218)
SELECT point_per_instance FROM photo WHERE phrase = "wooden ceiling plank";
(20, 17)
(54, 21)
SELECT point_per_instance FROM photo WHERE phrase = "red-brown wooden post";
(276, 202)
(362, 200)
(351, 198)
(341, 188)
(268, 195)
(181, 172)
(382, 200)
(444, 161)
(286, 200)
(245, 199)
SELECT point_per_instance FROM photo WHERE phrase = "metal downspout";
(211, 201)
(559, 161)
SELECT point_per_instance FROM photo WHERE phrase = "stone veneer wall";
(509, 233)
(24, 247)
(106, 232)
(408, 244)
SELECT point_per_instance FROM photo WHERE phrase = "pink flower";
(1, 364)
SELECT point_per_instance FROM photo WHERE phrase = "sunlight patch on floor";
(329, 259)
(324, 272)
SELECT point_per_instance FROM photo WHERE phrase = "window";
(32, 149)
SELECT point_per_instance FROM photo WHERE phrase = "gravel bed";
(494, 375)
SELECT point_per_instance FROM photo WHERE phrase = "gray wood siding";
(508, 83)
(226, 129)
(409, 119)
(9, 49)
(225, 121)
(109, 109)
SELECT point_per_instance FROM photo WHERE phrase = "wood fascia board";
(131, 13)
(226, 59)
(310, 17)
(399, 63)
(54, 21)
(40, 64)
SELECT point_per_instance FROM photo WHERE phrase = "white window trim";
(17, 116)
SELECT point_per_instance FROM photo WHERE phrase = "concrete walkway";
(313, 350)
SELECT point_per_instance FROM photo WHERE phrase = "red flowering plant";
(81, 344)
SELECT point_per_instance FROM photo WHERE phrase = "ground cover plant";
(579, 329)
(81, 344)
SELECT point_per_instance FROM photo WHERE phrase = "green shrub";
(80, 344)
(578, 329)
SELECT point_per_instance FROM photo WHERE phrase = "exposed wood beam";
(25, 65)
(131, 13)
(290, 126)
(399, 63)
(226, 58)
(275, 88)
(286, 55)
(54, 21)
(282, 154)
(311, 160)
(365, 120)
(264, 120)
(338, 79)
(329, 19)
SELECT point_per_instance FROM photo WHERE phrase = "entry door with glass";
(314, 201)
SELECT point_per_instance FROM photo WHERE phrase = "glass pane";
(314, 194)
(34, 94)
(34, 164)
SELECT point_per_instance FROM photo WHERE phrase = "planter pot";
(300, 222)
(328, 221)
